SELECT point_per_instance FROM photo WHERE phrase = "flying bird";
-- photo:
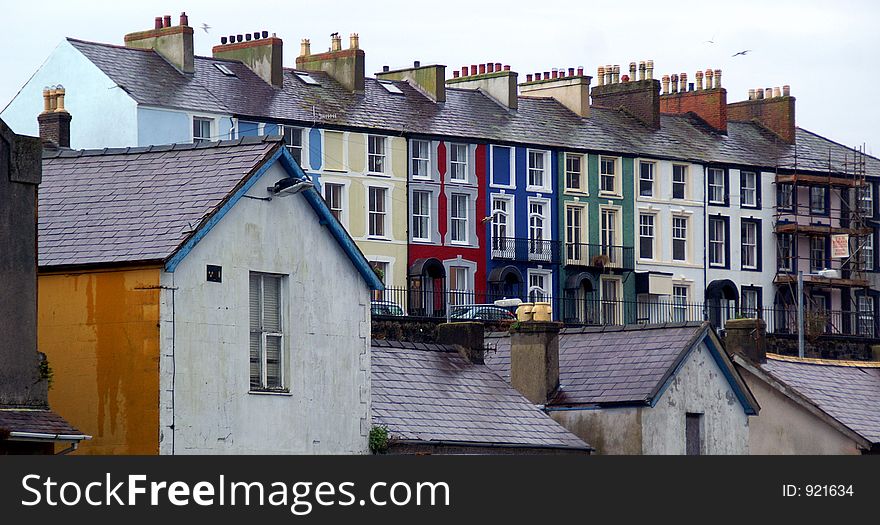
(205, 27)
(743, 53)
(710, 41)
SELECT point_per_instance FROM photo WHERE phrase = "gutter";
(486, 445)
(40, 436)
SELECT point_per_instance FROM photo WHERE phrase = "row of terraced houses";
(631, 196)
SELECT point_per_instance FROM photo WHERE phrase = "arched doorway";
(581, 304)
(722, 299)
(427, 283)
(505, 282)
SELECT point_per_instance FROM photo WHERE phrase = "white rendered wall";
(205, 328)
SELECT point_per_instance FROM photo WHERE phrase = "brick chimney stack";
(175, 43)
(54, 121)
(639, 98)
(772, 108)
(746, 337)
(710, 104)
(467, 336)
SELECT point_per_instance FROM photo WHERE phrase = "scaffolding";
(833, 220)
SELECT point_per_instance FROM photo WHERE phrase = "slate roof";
(37, 422)
(136, 204)
(847, 391)
(150, 80)
(429, 393)
(612, 364)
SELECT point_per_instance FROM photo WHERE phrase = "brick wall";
(641, 99)
(776, 114)
(708, 104)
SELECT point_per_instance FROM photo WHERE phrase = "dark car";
(482, 312)
(386, 308)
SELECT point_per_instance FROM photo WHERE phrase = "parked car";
(386, 308)
(482, 312)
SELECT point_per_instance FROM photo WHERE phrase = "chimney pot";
(609, 71)
(642, 70)
(649, 68)
(546, 75)
(223, 40)
(455, 73)
(690, 86)
(498, 66)
(184, 20)
(247, 37)
(305, 47)
(624, 78)
(616, 74)
(473, 69)
(354, 41)
(537, 76)
(158, 22)
(238, 38)
(506, 67)
(759, 94)
(464, 71)
(166, 21)
(265, 34)
(580, 71)
(555, 73)
(632, 70)
(256, 35)
(751, 94)
(768, 92)
(699, 75)
(529, 77)
(786, 91)
(490, 67)
(482, 69)
(777, 92)
(600, 74)
(386, 68)
(665, 82)
(417, 64)
(717, 78)
(335, 42)
(571, 71)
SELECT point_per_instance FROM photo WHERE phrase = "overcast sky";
(826, 51)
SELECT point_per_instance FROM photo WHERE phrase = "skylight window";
(225, 70)
(305, 77)
(390, 87)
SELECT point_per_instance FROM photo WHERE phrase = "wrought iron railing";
(525, 249)
(599, 256)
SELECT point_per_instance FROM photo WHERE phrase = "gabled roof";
(468, 114)
(153, 204)
(430, 394)
(848, 391)
(624, 365)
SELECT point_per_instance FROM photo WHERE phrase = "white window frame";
(544, 170)
(677, 237)
(866, 200)
(293, 148)
(511, 155)
(211, 128)
(643, 228)
(744, 176)
(717, 243)
(581, 188)
(576, 236)
(545, 289)
(421, 161)
(745, 307)
(465, 219)
(867, 250)
(749, 246)
(685, 169)
(380, 156)
(615, 177)
(790, 259)
(680, 301)
(499, 247)
(459, 295)
(652, 169)
(454, 161)
(716, 186)
(814, 251)
(342, 199)
(539, 251)
(611, 309)
(608, 248)
(265, 334)
(866, 314)
(386, 212)
(424, 217)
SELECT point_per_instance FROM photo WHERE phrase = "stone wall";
(827, 347)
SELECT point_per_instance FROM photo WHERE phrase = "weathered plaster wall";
(205, 332)
(94, 100)
(785, 427)
(100, 333)
(698, 387)
(609, 431)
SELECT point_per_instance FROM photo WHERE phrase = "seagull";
(205, 27)
(743, 53)
(710, 41)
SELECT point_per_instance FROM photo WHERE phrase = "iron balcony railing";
(525, 249)
(593, 311)
(599, 256)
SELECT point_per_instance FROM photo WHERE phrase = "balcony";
(521, 249)
(599, 256)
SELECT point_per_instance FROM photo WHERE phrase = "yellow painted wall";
(399, 157)
(357, 152)
(333, 157)
(100, 332)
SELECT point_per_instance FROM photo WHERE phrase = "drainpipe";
(705, 241)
